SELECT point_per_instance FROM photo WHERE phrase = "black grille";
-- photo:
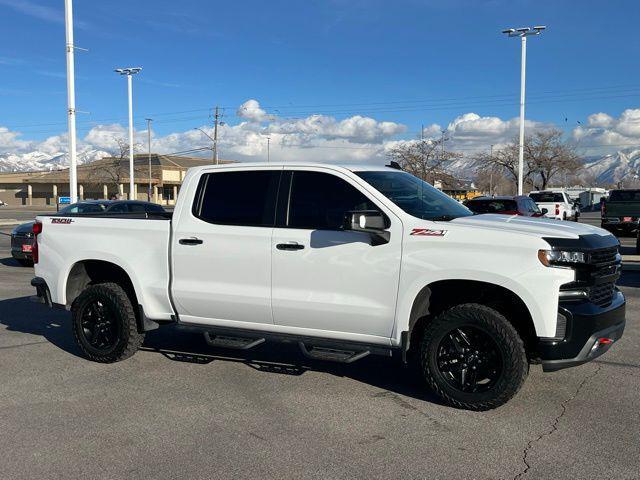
(602, 295)
(607, 255)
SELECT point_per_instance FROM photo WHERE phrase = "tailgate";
(622, 209)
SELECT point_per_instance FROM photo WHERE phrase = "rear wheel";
(104, 323)
(473, 358)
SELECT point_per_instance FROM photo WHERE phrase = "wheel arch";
(440, 295)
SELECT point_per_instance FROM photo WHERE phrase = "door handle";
(190, 241)
(289, 246)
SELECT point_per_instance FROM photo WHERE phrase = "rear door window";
(245, 198)
(625, 196)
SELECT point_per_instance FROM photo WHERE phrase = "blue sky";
(408, 62)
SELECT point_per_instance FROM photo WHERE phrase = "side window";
(238, 198)
(119, 208)
(319, 201)
(137, 208)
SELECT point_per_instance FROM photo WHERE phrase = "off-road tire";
(128, 338)
(515, 365)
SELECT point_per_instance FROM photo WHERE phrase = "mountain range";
(608, 169)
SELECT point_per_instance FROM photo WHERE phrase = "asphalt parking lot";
(179, 409)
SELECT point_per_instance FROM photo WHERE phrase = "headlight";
(552, 258)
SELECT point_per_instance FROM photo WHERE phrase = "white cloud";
(604, 130)
(251, 111)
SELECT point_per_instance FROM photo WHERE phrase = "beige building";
(102, 179)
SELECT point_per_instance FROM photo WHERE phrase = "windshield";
(415, 196)
(492, 206)
(547, 197)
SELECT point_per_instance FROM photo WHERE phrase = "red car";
(506, 205)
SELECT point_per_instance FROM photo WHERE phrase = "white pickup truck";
(345, 262)
(558, 205)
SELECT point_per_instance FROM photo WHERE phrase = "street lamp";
(129, 72)
(523, 33)
(214, 158)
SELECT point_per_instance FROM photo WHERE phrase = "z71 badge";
(425, 232)
(61, 220)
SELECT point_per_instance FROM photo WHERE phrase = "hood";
(534, 226)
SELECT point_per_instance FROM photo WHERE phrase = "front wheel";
(104, 323)
(473, 358)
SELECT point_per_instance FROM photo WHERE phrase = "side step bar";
(316, 352)
(232, 342)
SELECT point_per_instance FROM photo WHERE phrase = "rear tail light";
(603, 209)
(511, 212)
(557, 209)
(37, 230)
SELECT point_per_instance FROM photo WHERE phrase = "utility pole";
(149, 120)
(129, 72)
(523, 33)
(442, 145)
(71, 101)
(422, 132)
(491, 171)
(215, 136)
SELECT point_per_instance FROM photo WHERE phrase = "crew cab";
(558, 205)
(345, 262)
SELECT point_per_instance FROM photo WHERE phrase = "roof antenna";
(395, 165)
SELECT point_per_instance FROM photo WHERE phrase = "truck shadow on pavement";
(22, 315)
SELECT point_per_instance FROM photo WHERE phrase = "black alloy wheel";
(104, 323)
(473, 357)
(469, 359)
(99, 326)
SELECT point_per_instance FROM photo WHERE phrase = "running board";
(316, 352)
(232, 342)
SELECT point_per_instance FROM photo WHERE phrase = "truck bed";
(138, 243)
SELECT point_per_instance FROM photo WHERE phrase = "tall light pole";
(71, 101)
(268, 149)
(523, 33)
(129, 72)
(149, 120)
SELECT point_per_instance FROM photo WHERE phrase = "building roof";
(140, 161)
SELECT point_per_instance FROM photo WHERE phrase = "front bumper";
(586, 324)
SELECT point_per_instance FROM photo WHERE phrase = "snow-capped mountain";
(615, 167)
(37, 160)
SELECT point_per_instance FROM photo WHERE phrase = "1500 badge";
(425, 232)
(61, 220)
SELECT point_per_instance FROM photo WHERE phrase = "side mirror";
(544, 211)
(372, 222)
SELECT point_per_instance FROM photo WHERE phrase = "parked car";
(385, 264)
(133, 206)
(621, 211)
(557, 204)
(22, 235)
(22, 239)
(505, 205)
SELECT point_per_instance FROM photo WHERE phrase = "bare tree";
(425, 159)
(504, 160)
(112, 170)
(546, 155)
(550, 155)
